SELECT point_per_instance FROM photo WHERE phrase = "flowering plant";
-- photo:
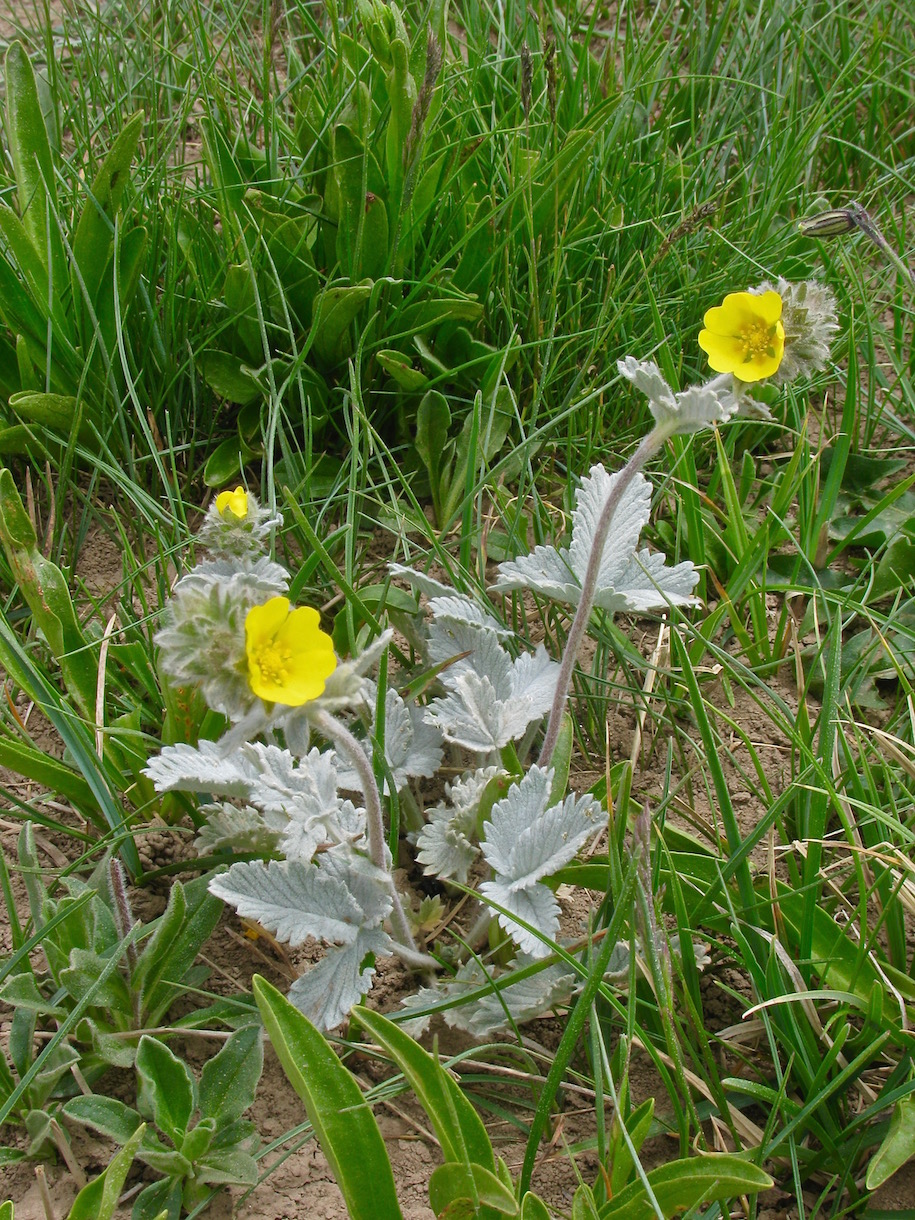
(315, 750)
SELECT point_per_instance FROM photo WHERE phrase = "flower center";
(272, 660)
(757, 340)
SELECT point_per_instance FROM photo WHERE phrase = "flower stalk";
(647, 448)
(334, 731)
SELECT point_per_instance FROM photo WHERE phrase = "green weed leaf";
(343, 1123)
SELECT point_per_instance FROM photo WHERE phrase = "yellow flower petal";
(289, 657)
(234, 502)
(744, 335)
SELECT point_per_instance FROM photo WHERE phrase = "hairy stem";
(647, 447)
(353, 749)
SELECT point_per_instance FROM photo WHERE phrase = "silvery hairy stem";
(647, 447)
(352, 747)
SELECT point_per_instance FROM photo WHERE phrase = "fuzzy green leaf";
(343, 1122)
(167, 1088)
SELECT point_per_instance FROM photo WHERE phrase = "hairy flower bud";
(236, 526)
(810, 322)
(202, 643)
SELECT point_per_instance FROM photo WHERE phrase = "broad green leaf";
(22, 991)
(153, 961)
(458, 1126)
(106, 1115)
(898, 1146)
(533, 1208)
(449, 1183)
(433, 419)
(33, 166)
(229, 377)
(638, 1124)
(52, 774)
(202, 912)
(160, 1201)
(583, 1204)
(428, 314)
(336, 308)
(708, 1178)
(111, 308)
(226, 462)
(197, 1141)
(45, 589)
(343, 1122)
(95, 230)
(98, 1200)
(6, 1209)
(166, 1088)
(229, 1080)
(81, 979)
(228, 1167)
(33, 270)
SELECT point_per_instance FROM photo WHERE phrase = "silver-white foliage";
(420, 581)
(492, 1009)
(457, 608)
(330, 988)
(447, 843)
(204, 768)
(490, 698)
(526, 840)
(628, 579)
(242, 830)
(412, 747)
(677, 414)
(300, 901)
(297, 797)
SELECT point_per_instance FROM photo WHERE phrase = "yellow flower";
(235, 502)
(744, 335)
(289, 657)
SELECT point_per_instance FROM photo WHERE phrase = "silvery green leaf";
(677, 414)
(228, 827)
(647, 377)
(203, 768)
(306, 793)
(412, 747)
(298, 901)
(629, 519)
(472, 715)
(461, 609)
(536, 906)
(368, 885)
(545, 570)
(327, 992)
(533, 682)
(446, 849)
(491, 1009)
(305, 833)
(530, 997)
(490, 698)
(627, 581)
(527, 839)
(284, 781)
(446, 842)
(253, 582)
(450, 638)
(420, 581)
(645, 576)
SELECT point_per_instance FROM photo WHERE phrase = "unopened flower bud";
(236, 526)
(829, 224)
